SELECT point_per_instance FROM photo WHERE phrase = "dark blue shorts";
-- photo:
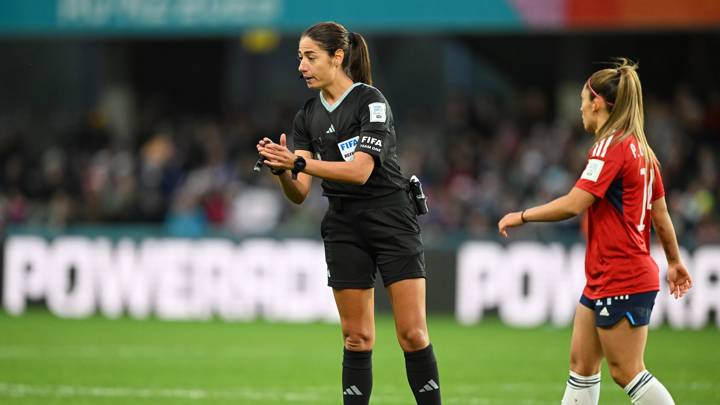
(637, 308)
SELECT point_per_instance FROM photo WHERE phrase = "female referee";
(346, 136)
(622, 189)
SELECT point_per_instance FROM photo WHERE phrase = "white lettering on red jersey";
(617, 260)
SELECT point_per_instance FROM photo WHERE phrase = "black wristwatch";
(298, 166)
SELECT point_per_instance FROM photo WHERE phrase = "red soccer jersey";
(617, 260)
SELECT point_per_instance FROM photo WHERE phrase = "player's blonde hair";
(620, 88)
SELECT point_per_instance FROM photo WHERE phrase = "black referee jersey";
(360, 120)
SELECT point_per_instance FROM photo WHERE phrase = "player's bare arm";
(678, 277)
(567, 206)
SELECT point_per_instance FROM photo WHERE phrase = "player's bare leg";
(583, 385)
(624, 346)
(357, 319)
(408, 303)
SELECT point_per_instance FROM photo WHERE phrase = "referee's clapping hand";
(277, 156)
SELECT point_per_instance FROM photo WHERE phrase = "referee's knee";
(413, 339)
(359, 341)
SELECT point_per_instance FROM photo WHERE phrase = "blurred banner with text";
(526, 283)
(187, 17)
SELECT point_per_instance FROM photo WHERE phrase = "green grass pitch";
(46, 360)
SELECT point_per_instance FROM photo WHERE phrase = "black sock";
(422, 374)
(357, 377)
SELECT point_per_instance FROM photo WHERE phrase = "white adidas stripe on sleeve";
(607, 144)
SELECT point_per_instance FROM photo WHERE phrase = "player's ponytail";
(332, 36)
(621, 90)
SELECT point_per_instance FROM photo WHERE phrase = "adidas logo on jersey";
(330, 130)
(430, 386)
(353, 390)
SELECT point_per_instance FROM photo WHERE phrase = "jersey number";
(647, 196)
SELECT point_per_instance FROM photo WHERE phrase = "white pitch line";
(69, 391)
(463, 394)
(143, 351)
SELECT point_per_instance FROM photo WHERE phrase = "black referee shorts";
(363, 236)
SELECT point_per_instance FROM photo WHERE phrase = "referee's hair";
(332, 36)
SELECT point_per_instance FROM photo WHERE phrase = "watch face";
(299, 164)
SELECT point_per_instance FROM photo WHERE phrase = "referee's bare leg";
(408, 303)
(357, 318)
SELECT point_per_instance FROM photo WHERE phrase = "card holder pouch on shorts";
(418, 196)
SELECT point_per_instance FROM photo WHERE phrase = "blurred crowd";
(478, 159)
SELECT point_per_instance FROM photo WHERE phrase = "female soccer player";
(371, 222)
(622, 189)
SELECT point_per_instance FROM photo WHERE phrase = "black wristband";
(522, 217)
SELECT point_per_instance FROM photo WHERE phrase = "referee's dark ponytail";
(332, 36)
(359, 59)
